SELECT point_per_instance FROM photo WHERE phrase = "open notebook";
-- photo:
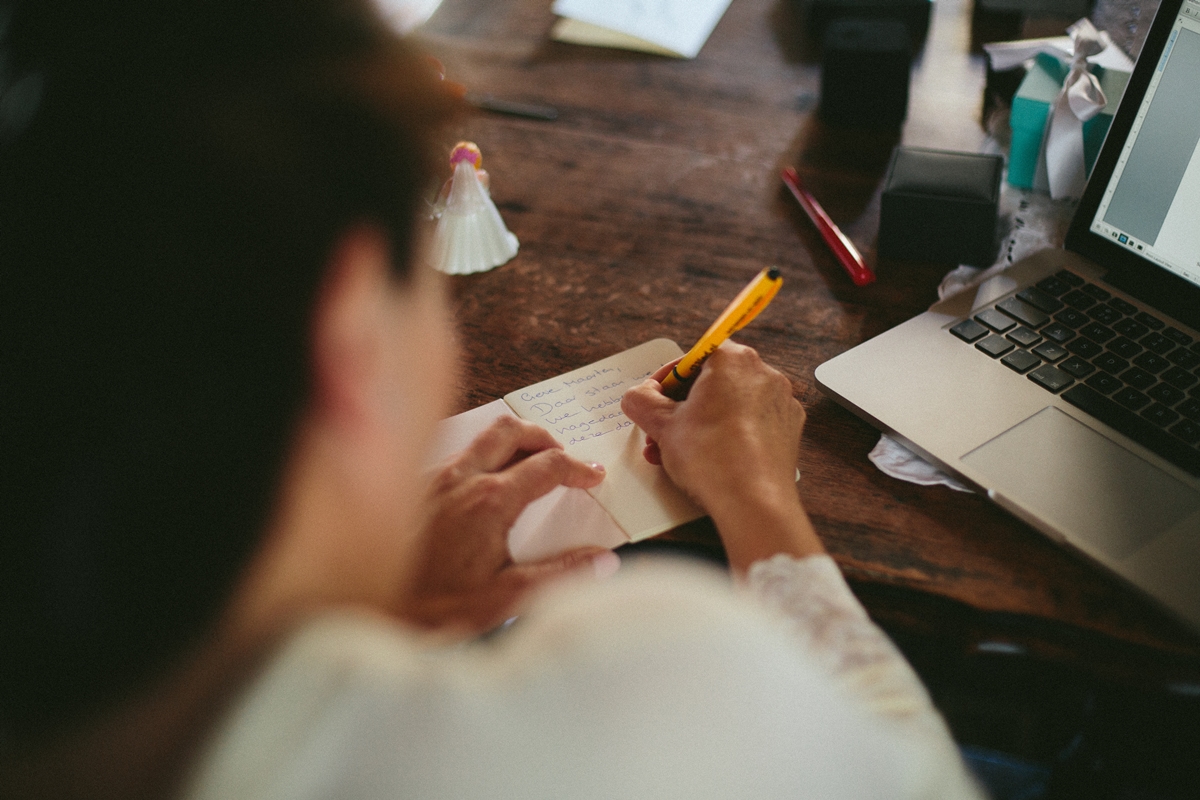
(582, 410)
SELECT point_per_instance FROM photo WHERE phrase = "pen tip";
(774, 274)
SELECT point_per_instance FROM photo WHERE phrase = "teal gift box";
(1031, 107)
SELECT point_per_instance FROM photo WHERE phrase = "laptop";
(1068, 388)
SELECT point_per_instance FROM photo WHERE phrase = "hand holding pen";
(745, 307)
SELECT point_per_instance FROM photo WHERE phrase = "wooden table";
(651, 201)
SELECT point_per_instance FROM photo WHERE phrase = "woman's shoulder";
(663, 681)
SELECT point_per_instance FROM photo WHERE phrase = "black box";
(816, 15)
(940, 206)
(864, 73)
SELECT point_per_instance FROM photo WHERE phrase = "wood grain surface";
(650, 202)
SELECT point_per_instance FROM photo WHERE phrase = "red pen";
(838, 242)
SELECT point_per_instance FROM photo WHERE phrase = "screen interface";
(1152, 202)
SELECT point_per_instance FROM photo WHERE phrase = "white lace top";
(663, 682)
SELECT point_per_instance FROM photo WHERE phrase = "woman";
(225, 574)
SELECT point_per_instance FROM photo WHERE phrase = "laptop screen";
(1151, 203)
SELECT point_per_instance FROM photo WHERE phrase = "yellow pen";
(745, 307)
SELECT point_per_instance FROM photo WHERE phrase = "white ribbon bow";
(1061, 166)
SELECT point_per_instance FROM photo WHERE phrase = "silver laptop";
(1068, 388)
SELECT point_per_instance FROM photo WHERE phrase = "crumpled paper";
(896, 460)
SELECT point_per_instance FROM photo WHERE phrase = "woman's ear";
(349, 323)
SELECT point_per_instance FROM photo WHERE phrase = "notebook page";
(582, 409)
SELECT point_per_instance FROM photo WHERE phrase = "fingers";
(503, 440)
(648, 407)
(528, 479)
(665, 370)
(588, 562)
(599, 561)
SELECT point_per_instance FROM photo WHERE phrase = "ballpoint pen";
(845, 251)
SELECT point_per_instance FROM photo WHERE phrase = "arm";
(732, 446)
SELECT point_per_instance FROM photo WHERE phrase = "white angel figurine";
(470, 235)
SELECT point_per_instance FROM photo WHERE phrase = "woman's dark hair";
(173, 177)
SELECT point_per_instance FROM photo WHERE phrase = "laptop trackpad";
(1085, 485)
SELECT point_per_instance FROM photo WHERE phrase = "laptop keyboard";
(1104, 355)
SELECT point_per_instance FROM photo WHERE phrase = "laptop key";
(1051, 378)
(1023, 312)
(1186, 359)
(1187, 431)
(1105, 315)
(1151, 362)
(1131, 398)
(1057, 332)
(1160, 415)
(1123, 306)
(1190, 408)
(1020, 360)
(969, 330)
(1049, 351)
(1097, 332)
(1095, 291)
(1165, 393)
(1157, 343)
(1085, 348)
(1078, 299)
(1039, 300)
(1077, 367)
(1149, 321)
(1137, 377)
(1131, 328)
(1177, 336)
(1069, 278)
(1124, 347)
(1104, 383)
(995, 320)
(1053, 286)
(1178, 377)
(1110, 362)
(1139, 430)
(1071, 317)
(995, 346)
(1024, 337)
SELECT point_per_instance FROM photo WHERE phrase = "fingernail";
(606, 564)
(598, 467)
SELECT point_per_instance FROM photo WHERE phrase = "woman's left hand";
(463, 579)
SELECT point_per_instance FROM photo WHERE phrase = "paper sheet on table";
(666, 27)
(556, 522)
(582, 410)
(404, 15)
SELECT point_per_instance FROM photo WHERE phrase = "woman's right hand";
(732, 447)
